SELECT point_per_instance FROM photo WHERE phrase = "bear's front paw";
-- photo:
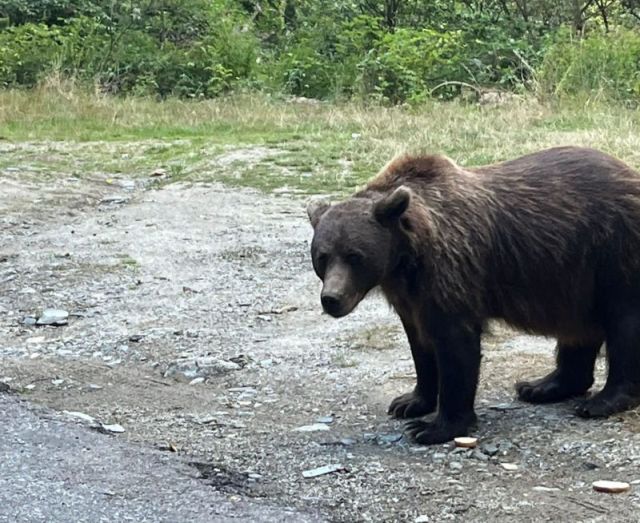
(411, 405)
(438, 430)
(553, 387)
(610, 401)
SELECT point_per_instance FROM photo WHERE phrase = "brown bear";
(549, 243)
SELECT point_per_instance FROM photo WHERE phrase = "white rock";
(80, 415)
(321, 471)
(509, 466)
(196, 381)
(53, 317)
(115, 428)
(421, 519)
(315, 427)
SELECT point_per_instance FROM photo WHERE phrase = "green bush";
(600, 63)
(26, 52)
(123, 54)
(409, 62)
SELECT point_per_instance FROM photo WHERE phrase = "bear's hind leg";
(573, 375)
(622, 389)
(424, 397)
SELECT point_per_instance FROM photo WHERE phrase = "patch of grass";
(253, 141)
(384, 337)
(129, 262)
(343, 361)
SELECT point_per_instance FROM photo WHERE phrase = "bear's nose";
(331, 304)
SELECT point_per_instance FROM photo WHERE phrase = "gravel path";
(194, 324)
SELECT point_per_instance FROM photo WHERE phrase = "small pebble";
(79, 415)
(115, 428)
(321, 471)
(509, 466)
(312, 428)
(611, 487)
(467, 443)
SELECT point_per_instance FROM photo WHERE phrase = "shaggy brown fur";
(517, 239)
(549, 242)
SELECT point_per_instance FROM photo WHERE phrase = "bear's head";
(355, 245)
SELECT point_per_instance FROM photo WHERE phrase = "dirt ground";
(155, 277)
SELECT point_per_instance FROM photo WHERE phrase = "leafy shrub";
(26, 52)
(608, 63)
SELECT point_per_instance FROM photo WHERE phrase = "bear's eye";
(322, 259)
(354, 258)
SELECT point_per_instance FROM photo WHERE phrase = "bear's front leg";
(457, 344)
(423, 399)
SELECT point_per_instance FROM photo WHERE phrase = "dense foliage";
(389, 51)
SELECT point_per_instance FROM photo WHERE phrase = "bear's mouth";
(339, 307)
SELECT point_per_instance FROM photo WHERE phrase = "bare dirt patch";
(203, 271)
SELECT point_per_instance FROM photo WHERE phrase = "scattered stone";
(31, 386)
(542, 488)
(29, 321)
(241, 360)
(80, 415)
(439, 456)
(611, 487)
(159, 172)
(135, 338)
(196, 381)
(479, 455)
(280, 310)
(114, 428)
(389, 438)
(254, 476)
(93, 386)
(53, 317)
(466, 443)
(509, 466)
(207, 420)
(57, 382)
(244, 390)
(187, 370)
(421, 519)
(490, 449)
(321, 471)
(113, 200)
(315, 427)
(455, 465)
(324, 419)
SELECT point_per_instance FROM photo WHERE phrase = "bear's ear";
(315, 210)
(389, 210)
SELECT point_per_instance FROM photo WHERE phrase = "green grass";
(59, 130)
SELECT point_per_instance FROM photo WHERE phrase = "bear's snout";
(332, 304)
